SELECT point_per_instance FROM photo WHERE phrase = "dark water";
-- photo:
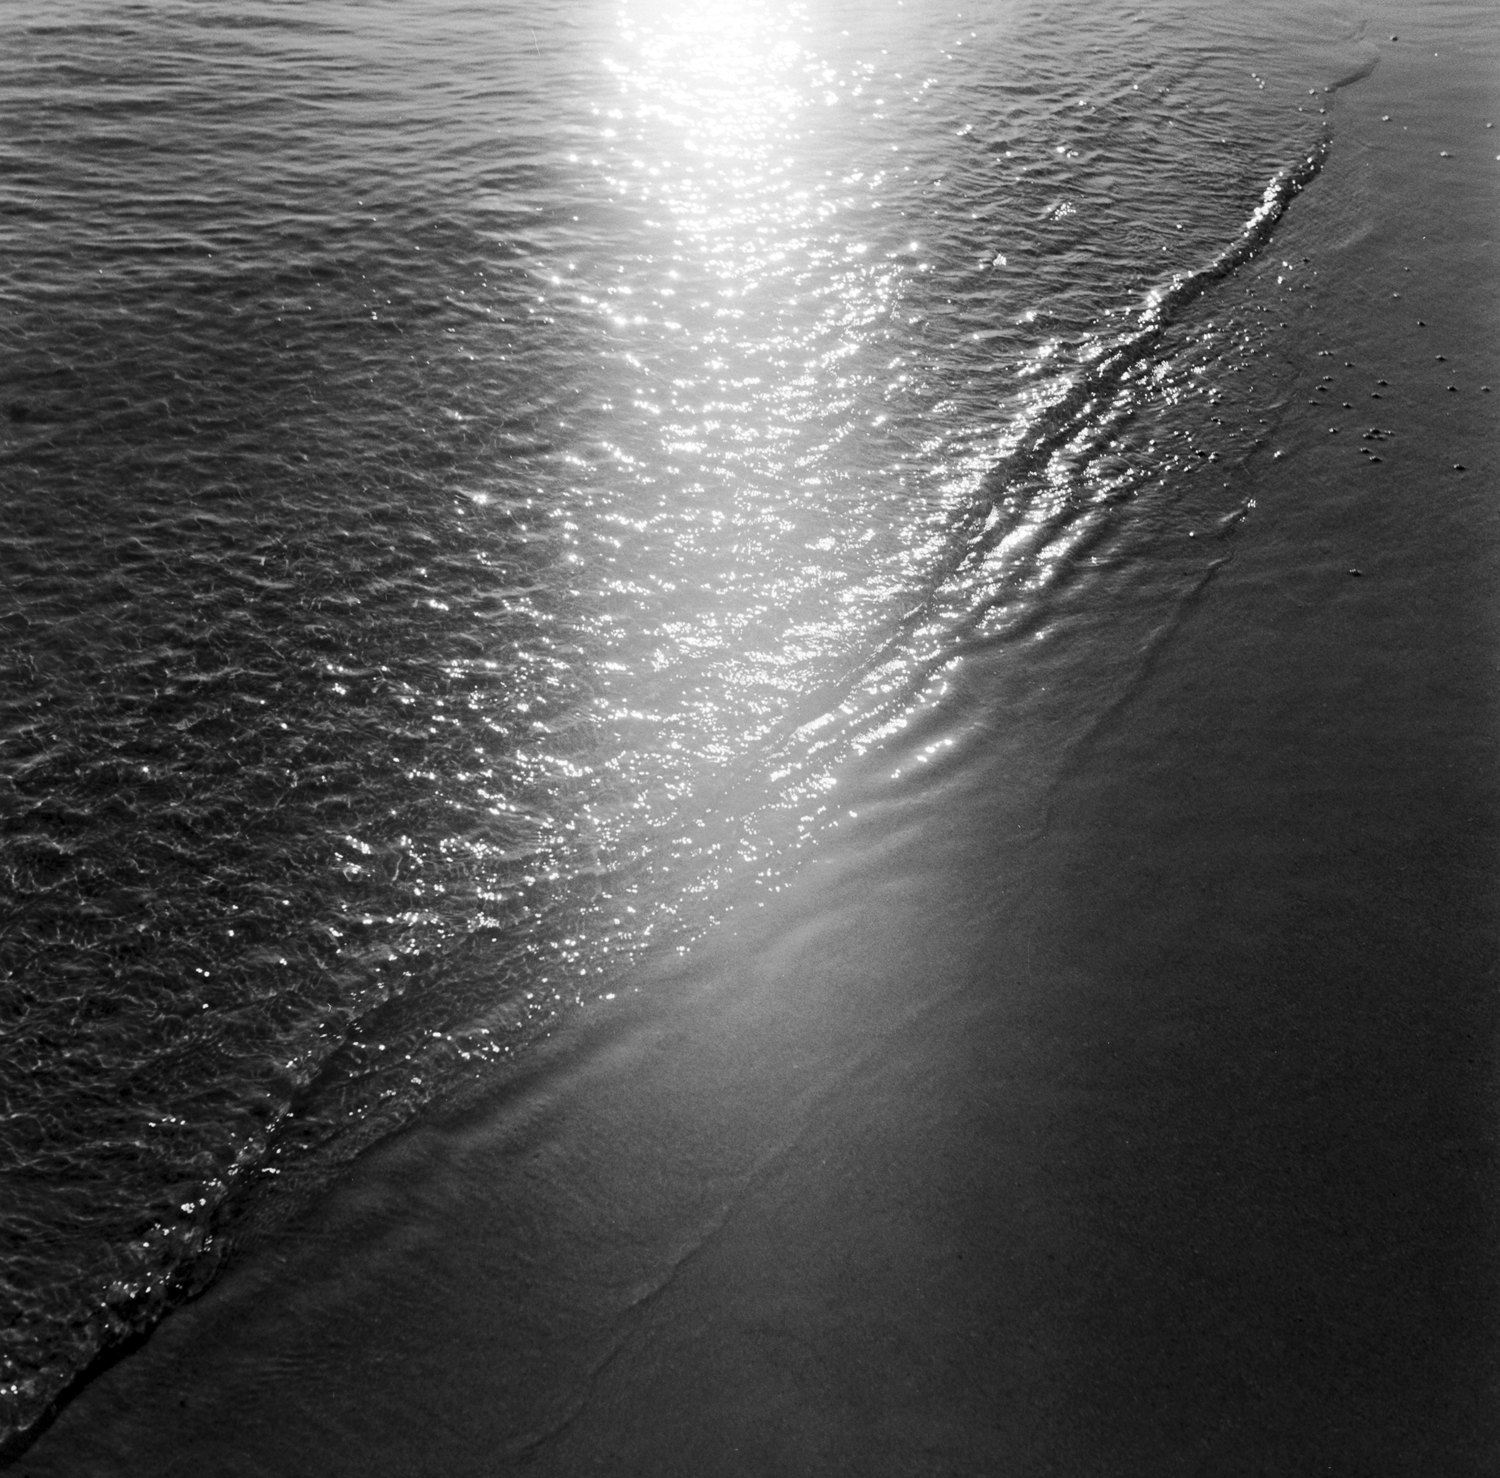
(487, 489)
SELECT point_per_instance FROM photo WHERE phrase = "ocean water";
(487, 489)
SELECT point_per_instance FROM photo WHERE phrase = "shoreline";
(1179, 1158)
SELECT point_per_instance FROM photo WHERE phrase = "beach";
(1117, 1097)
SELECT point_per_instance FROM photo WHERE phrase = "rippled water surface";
(484, 483)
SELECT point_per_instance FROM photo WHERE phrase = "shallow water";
(486, 497)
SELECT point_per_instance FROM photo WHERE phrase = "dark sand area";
(1143, 1123)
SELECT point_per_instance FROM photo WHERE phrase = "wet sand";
(1143, 1123)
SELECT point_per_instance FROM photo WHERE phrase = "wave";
(1106, 365)
(1085, 402)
